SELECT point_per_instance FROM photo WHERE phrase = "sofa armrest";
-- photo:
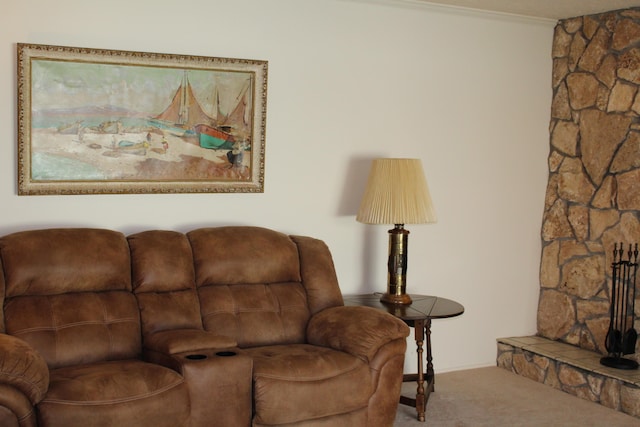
(176, 341)
(359, 331)
(23, 368)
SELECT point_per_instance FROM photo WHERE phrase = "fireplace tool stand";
(621, 336)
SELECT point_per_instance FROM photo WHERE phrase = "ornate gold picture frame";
(96, 121)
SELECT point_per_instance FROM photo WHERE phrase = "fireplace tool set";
(621, 336)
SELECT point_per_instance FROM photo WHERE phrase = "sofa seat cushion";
(128, 392)
(300, 382)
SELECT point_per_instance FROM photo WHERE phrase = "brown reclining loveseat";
(226, 326)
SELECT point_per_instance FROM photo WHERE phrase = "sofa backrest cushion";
(164, 281)
(68, 294)
(318, 274)
(249, 285)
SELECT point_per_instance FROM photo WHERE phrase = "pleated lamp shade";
(396, 193)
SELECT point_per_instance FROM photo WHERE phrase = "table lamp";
(396, 193)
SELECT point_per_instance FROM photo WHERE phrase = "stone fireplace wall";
(593, 193)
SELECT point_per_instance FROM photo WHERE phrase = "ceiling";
(549, 9)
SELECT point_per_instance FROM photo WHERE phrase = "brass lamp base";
(397, 267)
(396, 299)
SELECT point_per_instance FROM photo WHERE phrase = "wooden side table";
(417, 315)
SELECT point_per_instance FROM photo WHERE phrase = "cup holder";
(196, 356)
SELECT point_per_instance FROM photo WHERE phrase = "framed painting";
(95, 121)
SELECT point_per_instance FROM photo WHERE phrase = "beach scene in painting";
(94, 122)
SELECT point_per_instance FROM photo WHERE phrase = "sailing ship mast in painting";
(184, 111)
(239, 117)
(185, 116)
(227, 129)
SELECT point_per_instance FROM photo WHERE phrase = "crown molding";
(458, 10)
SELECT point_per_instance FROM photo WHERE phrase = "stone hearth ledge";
(571, 369)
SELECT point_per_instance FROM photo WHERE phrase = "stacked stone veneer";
(575, 372)
(593, 193)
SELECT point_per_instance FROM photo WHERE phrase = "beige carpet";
(496, 397)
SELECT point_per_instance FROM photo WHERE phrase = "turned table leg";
(420, 395)
(431, 378)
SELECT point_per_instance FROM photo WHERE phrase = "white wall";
(466, 92)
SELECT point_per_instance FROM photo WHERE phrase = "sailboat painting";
(95, 121)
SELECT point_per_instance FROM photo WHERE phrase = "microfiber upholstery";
(58, 261)
(221, 255)
(249, 285)
(68, 294)
(23, 368)
(276, 295)
(128, 392)
(300, 372)
(164, 281)
(215, 327)
(77, 328)
(335, 327)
